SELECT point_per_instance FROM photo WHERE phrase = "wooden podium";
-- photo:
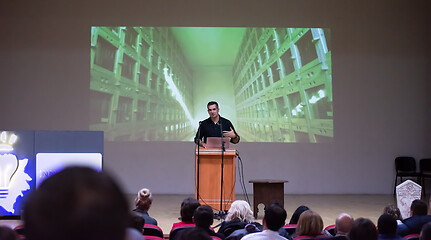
(208, 177)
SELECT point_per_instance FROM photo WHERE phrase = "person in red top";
(188, 207)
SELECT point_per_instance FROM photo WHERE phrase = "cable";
(241, 176)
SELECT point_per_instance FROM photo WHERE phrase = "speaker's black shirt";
(210, 129)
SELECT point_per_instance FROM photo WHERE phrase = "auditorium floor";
(166, 208)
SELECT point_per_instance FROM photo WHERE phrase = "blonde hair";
(310, 223)
(144, 199)
(241, 210)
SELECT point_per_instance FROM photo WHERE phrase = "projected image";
(153, 83)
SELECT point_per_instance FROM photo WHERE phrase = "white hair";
(241, 210)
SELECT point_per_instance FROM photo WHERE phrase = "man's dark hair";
(203, 216)
(363, 229)
(76, 203)
(419, 208)
(136, 221)
(275, 216)
(387, 225)
(212, 103)
(188, 207)
(426, 232)
(194, 234)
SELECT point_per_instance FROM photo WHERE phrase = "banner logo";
(13, 179)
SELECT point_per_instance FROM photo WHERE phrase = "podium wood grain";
(209, 167)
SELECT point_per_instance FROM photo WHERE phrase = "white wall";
(381, 86)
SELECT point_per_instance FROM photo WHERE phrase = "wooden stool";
(267, 191)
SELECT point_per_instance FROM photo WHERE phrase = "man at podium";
(215, 126)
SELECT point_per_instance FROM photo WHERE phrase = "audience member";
(310, 224)
(135, 228)
(394, 211)
(7, 233)
(387, 228)
(343, 225)
(194, 234)
(413, 224)
(76, 203)
(363, 229)
(426, 232)
(143, 203)
(204, 218)
(274, 219)
(238, 234)
(238, 216)
(295, 216)
(188, 207)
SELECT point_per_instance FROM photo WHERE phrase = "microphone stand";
(198, 161)
(221, 212)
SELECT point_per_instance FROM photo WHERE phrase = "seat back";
(175, 230)
(330, 230)
(153, 230)
(412, 237)
(405, 164)
(304, 238)
(290, 228)
(152, 238)
(425, 165)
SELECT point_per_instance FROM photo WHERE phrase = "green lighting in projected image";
(153, 83)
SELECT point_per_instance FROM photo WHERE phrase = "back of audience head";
(310, 223)
(194, 234)
(343, 224)
(418, 208)
(203, 216)
(295, 216)
(393, 210)
(240, 210)
(275, 216)
(7, 233)
(387, 225)
(144, 199)
(363, 229)
(188, 207)
(426, 232)
(137, 222)
(76, 203)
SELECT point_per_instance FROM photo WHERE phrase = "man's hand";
(230, 133)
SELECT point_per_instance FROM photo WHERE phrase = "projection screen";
(144, 87)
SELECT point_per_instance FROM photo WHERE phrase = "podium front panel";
(208, 177)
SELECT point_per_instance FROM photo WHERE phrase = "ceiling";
(209, 46)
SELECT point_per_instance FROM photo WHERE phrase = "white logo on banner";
(13, 179)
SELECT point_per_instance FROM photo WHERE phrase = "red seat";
(290, 228)
(153, 230)
(304, 238)
(330, 230)
(175, 230)
(412, 237)
(153, 237)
